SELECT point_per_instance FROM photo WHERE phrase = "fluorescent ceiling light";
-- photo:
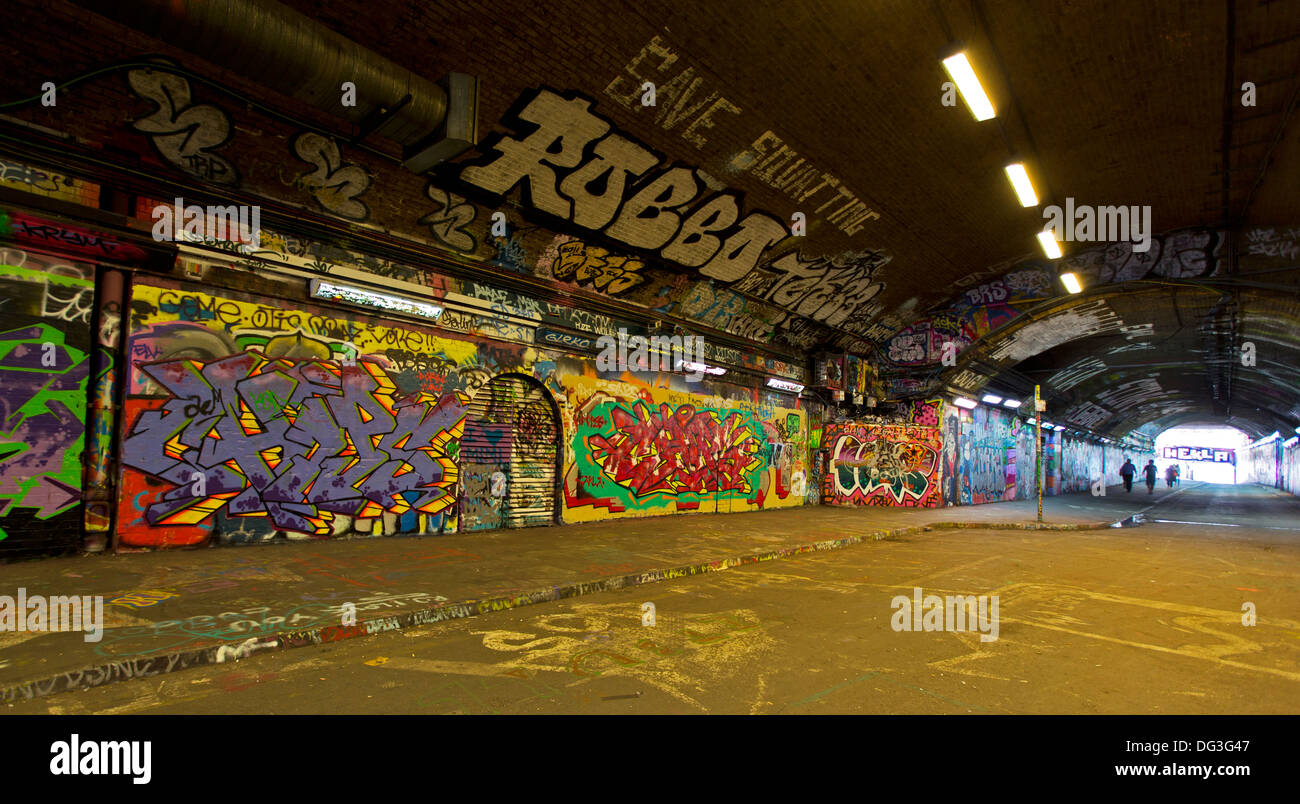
(992, 399)
(1050, 247)
(1048, 425)
(784, 385)
(1020, 181)
(968, 84)
(963, 402)
(363, 297)
(1011, 403)
(1071, 281)
(707, 369)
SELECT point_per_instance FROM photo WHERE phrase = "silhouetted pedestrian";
(1127, 471)
(1150, 471)
(1170, 474)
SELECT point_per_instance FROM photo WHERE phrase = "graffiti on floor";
(608, 641)
(142, 599)
(257, 622)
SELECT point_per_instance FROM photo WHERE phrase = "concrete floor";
(1125, 620)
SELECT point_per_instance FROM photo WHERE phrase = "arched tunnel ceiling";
(914, 237)
(834, 110)
(1163, 349)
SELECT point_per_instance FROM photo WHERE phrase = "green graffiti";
(43, 384)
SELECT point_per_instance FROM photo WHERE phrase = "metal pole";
(1038, 453)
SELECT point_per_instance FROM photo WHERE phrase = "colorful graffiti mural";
(884, 465)
(989, 451)
(951, 447)
(296, 442)
(229, 365)
(646, 451)
(44, 374)
(282, 414)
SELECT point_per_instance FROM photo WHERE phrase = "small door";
(509, 455)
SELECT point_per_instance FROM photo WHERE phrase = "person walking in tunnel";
(1127, 471)
(1150, 471)
(1170, 474)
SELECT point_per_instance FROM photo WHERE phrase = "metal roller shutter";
(508, 456)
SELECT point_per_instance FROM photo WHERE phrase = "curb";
(149, 666)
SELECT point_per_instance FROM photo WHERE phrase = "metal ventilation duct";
(298, 57)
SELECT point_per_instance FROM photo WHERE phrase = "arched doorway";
(509, 456)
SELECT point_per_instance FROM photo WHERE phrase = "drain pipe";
(300, 58)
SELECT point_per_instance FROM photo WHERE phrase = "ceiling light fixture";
(690, 367)
(1071, 282)
(1011, 403)
(1020, 182)
(968, 84)
(991, 399)
(1050, 247)
(963, 402)
(784, 385)
(364, 297)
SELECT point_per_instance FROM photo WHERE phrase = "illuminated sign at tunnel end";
(1209, 454)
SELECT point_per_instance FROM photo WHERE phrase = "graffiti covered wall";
(1026, 459)
(248, 419)
(245, 420)
(637, 451)
(884, 465)
(1265, 463)
(952, 424)
(1081, 464)
(292, 443)
(1291, 466)
(990, 448)
(45, 351)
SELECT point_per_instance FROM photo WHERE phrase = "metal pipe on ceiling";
(301, 58)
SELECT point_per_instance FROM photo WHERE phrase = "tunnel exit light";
(1023, 187)
(1071, 282)
(968, 84)
(1050, 247)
